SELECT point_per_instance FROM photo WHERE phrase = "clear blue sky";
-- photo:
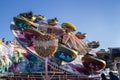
(100, 19)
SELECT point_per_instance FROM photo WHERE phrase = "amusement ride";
(42, 50)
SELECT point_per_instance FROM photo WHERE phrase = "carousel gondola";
(66, 54)
(93, 63)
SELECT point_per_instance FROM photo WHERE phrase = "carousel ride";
(41, 46)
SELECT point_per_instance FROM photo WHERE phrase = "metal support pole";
(46, 69)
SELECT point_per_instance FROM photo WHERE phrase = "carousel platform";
(41, 76)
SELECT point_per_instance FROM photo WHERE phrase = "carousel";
(44, 50)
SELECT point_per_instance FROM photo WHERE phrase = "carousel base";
(42, 76)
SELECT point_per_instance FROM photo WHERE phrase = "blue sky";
(100, 19)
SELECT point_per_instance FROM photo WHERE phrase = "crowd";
(111, 76)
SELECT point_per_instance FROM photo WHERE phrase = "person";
(113, 77)
(17, 59)
(103, 77)
(118, 68)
